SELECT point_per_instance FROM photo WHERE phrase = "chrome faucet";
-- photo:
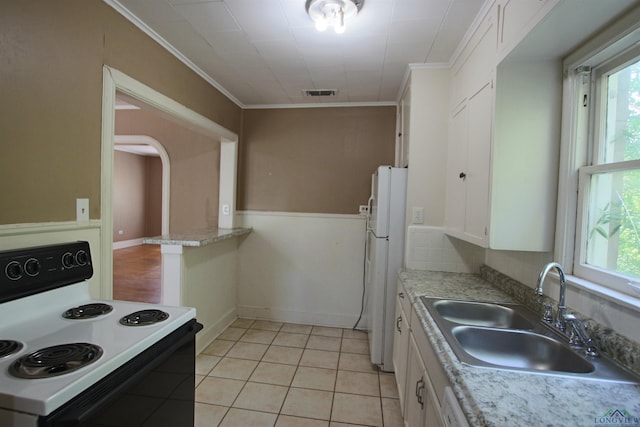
(561, 323)
(577, 335)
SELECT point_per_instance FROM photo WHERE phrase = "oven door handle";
(90, 401)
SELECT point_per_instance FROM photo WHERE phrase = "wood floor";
(137, 274)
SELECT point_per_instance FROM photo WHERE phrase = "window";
(605, 154)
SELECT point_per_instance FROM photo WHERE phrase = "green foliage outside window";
(621, 216)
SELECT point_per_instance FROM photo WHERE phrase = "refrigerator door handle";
(369, 211)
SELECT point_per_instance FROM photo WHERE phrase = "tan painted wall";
(137, 196)
(129, 187)
(195, 167)
(153, 226)
(51, 59)
(312, 159)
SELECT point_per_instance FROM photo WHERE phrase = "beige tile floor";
(261, 373)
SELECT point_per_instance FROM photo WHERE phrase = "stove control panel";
(27, 271)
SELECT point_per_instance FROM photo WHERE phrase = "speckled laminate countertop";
(197, 238)
(492, 397)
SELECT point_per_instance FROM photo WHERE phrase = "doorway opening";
(117, 84)
(140, 210)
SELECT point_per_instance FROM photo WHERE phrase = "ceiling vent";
(320, 92)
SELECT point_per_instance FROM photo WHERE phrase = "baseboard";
(210, 333)
(127, 243)
(300, 317)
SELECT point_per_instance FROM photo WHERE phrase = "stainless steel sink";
(519, 349)
(511, 337)
(482, 314)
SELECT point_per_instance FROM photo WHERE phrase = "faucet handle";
(574, 338)
(580, 335)
(547, 316)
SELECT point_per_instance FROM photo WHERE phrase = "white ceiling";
(266, 52)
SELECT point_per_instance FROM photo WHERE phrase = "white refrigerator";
(384, 251)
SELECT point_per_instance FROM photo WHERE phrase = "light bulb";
(321, 24)
(339, 26)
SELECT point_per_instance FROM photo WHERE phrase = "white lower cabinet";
(420, 377)
(401, 346)
(421, 404)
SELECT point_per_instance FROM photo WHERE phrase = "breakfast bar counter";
(198, 237)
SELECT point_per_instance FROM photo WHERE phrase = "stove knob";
(13, 270)
(32, 267)
(81, 257)
(68, 260)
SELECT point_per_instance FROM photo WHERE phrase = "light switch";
(82, 209)
(418, 215)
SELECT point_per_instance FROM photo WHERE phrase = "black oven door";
(156, 388)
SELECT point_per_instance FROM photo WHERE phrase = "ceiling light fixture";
(333, 13)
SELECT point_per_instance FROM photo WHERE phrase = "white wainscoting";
(15, 236)
(208, 283)
(301, 268)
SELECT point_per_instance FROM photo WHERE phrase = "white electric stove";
(68, 359)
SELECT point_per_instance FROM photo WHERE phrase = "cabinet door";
(456, 170)
(416, 388)
(405, 127)
(478, 163)
(421, 404)
(400, 348)
(432, 417)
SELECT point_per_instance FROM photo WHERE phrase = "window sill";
(625, 300)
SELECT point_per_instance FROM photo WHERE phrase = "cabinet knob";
(401, 295)
(398, 322)
(462, 175)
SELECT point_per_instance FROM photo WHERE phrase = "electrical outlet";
(226, 209)
(418, 215)
(364, 209)
(82, 209)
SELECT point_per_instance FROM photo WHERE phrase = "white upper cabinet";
(503, 138)
(516, 19)
(455, 208)
(477, 173)
(404, 129)
(470, 135)
(525, 152)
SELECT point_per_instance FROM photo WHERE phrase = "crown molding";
(323, 105)
(186, 61)
(172, 50)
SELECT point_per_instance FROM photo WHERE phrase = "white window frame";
(612, 46)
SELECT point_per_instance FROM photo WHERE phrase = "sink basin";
(519, 349)
(510, 337)
(482, 314)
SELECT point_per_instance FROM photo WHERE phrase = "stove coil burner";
(9, 347)
(87, 311)
(144, 317)
(56, 360)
